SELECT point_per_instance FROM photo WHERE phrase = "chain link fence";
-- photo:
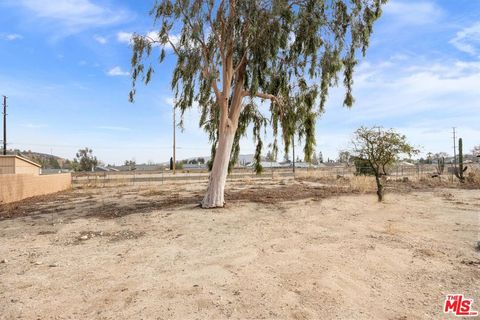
(104, 179)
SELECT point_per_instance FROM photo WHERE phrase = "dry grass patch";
(152, 192)
(473, 178)
(356, 184)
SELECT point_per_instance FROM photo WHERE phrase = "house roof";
(23, 159)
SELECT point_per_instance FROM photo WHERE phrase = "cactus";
(440, 165)
(461, 168)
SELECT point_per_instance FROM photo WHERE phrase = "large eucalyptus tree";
(231, 54)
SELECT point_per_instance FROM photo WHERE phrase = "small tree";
(344, 157)
(86, 160)
(380, 148)
(131, 164)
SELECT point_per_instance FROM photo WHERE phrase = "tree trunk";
(218, 177)
(379, 188)
(229, 115)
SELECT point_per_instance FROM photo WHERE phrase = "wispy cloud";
(100, 39)
(441, 88)
(413, 13)
(117, 71)
(73, 15)
(114, 128)
(124, 37)
(468, 39)
(11, 36)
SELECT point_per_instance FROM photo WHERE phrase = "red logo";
(460, 306)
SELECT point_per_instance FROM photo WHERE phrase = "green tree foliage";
(231, 55)
(85, 160)
(379, 148)
(131, 164)
(53, 163)
(362, 167)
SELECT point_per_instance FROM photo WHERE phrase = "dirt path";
(343, 257)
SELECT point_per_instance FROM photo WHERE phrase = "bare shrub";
(473, 177)
(362, 184)
(359, 184)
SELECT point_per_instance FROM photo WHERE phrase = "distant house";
(191, 166)
(13, 164)
(267, 164)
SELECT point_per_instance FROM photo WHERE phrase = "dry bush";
(473, 178)
(316, 175)
(362, 184)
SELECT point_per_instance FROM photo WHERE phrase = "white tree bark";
(214, 197)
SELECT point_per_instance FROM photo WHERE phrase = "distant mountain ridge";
(47, 161)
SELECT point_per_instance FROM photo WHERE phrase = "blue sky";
(64, 66)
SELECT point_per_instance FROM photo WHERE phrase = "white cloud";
(74, 15)
(124, 37)
(117, 71)
(100, 39)
(413, 13)
(421, 98)
(468, 39)
(436, 87)
(11, 37)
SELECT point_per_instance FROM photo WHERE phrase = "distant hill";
(47, 161)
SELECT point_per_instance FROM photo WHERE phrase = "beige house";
(13, 164)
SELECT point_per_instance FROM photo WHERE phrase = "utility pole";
(174, 156)
(4, 125)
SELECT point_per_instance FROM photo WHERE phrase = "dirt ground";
(278, 250)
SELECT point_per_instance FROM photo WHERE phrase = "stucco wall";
(13, 164)
(14, 187)
(7, 165)
(23, 167)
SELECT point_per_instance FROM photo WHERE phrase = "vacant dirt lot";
(299, 250)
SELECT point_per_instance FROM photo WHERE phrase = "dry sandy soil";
(297, 250)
